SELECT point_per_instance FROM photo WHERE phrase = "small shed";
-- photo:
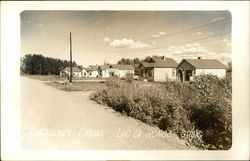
(75, 72)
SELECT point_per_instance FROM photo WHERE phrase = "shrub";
(212, 113)
(129, 77)
(199, 111)
(113, 83)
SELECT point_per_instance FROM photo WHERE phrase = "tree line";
(135, 61)
(36, 64)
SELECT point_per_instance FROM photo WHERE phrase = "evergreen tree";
(38, 64)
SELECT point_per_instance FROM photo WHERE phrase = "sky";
(108, 36)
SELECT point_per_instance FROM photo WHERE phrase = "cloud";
(155, 35)
(217, 19)
(223, 57)
(187, 48)
(195, 50)
(128, 43)
(210, 33)
(199, 33)
(161, 33)
(106, 39)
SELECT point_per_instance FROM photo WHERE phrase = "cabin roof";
(160, 63)
(205, 63)
(74, 69)
(123, 67)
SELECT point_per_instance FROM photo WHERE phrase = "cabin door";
(188, 75)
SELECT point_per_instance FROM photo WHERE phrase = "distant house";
(188, 68)
(103, 71)
(75, 72)
(92, 71)
(158, 69)
(117, 70)
(84, 72)
(123, 70)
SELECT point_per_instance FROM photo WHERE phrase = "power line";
(165, 46)
(178, 32)
(186, 30)
(204, 38)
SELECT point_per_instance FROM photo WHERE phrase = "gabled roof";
(91, 68)
(156, 62)
(156, 59)
(103, 67)
(74, 69)
(123, 67)
(117, 66)
(205, 63)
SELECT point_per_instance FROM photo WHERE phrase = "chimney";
(199, 57)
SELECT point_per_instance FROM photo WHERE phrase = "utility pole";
(70, 51)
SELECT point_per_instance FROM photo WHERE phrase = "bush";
(212, 113)
(199, 111)
(129, 77)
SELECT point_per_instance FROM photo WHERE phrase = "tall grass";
(199, 111)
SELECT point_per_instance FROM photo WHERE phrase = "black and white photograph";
(126, 80)
(130, 80)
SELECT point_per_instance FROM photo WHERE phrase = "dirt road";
(59, 120)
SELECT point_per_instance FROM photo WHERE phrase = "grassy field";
(78, 86)
(47, 77)
(59, 78)
(62, 83)
(93, 86)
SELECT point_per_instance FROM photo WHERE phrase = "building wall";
(105, 73)
(123, 73)
(84, 73)
(162, 74)
(77, 74)
(218, 72)
(66, 73)
(93, 73)
(119, 73)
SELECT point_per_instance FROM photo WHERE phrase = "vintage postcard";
(101, 78)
